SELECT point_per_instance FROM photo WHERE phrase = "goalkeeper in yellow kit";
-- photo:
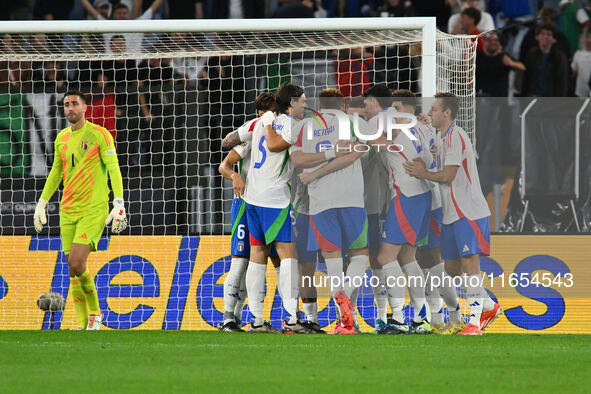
(84, 154)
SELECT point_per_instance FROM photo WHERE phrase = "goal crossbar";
(427, 26)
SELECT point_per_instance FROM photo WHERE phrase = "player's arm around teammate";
(465, 235)
(84, 155)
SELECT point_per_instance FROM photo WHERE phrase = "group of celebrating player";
(402, 201)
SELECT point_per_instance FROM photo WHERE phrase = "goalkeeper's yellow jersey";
(82, 159)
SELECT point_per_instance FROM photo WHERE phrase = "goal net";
(169, 92)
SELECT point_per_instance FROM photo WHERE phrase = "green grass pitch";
(161, 362)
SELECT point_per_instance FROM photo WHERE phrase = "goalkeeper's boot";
(314, 327)
(264, 328)
(471, 329)
(401, 327)
(486, 318)
(383, 328)
(230, 326)
(95, 321)
(296, 328)
(422, 327)
(345, 308)
(341, 330)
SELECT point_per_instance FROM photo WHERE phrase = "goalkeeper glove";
(39, 218)
(117, 216)
(268, 118)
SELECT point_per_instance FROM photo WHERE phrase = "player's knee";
(76, 265)
(383, 259)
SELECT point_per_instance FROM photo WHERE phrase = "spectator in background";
(102, 9)
(492, 67)
(155, 83)
(85, 72)
(485, 22)
(546, 73)
(440, 9)
(52, 9)
(237, 9)
(300, 9)
(469, 18)
(14, 10)
(122, 75)
(573, 20)
(548, 16)
(101, 105)
(581, 67)
(185, 9)
(396, 8)
(354, 69)
(121, 11)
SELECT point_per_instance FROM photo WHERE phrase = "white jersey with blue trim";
(404, 149)
(463, 197)
(430, 140)
(267, 184)
(339, 189)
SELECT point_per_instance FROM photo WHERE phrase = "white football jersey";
(245, 131)
(243, 150)
(339, 189)
(463, 198)
(430, 139)
(401, 150)
(267, 184)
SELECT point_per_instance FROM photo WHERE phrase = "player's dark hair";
(546, 26)
(331, 98)
(406, 97)
(473, 13)
(449, 101)
(76, 93)
(265, 102)
(381, 93)
(286, 93)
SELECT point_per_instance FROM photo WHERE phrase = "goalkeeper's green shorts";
(85, 229)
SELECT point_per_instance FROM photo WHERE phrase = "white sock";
(475, 294)
(446, 289)
(455, 317)
(289, 284)
(311, 311)
(334, 268)
(232, 286)
(355, 272)
(433, 299)
(240, 303)
(394, 293)
(255, 287)
(353, 300)
(379, 294)
(279, 289)
(416, 289)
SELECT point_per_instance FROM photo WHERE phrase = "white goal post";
(170, 90)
